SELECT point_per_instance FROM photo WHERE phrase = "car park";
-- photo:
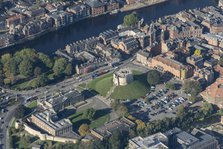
(160, 103)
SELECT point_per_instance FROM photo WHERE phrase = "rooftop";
(49, 116)
(123, 72)
(94, 3)
(155, 141)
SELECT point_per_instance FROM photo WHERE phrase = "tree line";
(29, 64)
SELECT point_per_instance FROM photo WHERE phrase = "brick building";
(112, 5)
(172, 66)
(184, 31)
(15, 20)
(97, 7)
(214, 93)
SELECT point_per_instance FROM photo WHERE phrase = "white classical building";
(122, 77)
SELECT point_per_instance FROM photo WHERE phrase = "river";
(52, 41)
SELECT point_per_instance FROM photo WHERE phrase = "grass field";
(77, 119)
(32, 105)
(102, 85)
(138, 88)
(25, 85)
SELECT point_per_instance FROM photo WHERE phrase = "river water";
(52, 41)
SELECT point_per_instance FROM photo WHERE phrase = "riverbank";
(140, 5)
(123, 9)
(89, 27)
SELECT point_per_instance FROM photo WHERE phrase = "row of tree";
(28, 64)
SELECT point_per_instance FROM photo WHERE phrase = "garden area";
(94, 118)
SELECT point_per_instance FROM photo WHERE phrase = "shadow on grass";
(166, 77)
(102, 112)
(65, 113)
(142, 78)
(21, 81)
(89, 93)
(76, 116)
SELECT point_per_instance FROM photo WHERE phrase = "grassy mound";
(138, 88)
(102, 85)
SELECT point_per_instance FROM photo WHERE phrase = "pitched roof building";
(97, 7)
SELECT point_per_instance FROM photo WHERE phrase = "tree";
(96, 144)
(130, 20)
(1, 74)
(122, 110)
(41, 80)
(90, 113)
(5, 58)
(68, 70)
(45, 59)
(171, 86)
(207, 108)
(115, 140)
(20, 111)
(84, 130)
(180, 111)
(26, 68)
(153, 77)
(131, 118)
(140, 125)
(25, 54)
(59, 66)
(37, 71)
(192, 87)
(13, 66)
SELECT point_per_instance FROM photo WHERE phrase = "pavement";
(99, 103)
(153, 106)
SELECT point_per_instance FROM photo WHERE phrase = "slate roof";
(94, 3)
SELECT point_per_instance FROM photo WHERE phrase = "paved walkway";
(110, 92)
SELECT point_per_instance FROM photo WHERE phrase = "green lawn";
(134, 90)
(25, 85)
(78, 119)
(32, 105)
(102, 85)
(138, 88)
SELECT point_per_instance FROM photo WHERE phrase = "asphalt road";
(7, 118)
